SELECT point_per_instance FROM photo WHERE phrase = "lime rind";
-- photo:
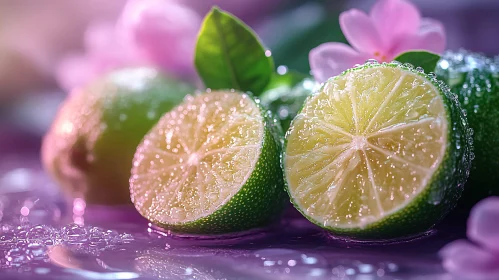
(447, 181)
(475, 79)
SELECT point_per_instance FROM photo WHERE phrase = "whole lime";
(474, 78)
(89, 148)
(285, 95)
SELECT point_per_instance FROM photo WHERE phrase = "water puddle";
(41, 237)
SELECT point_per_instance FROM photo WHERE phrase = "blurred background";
(37, 37)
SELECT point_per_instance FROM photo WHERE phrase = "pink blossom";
(392, 27)
(105, 50)
(164, 31)
(159, 33)
(480, 261)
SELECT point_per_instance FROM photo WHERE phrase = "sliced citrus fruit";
(475, 80)
(381, 151)
(90, 146)
(211, 165)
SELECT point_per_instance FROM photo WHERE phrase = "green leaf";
(426, 60)
(229, 55)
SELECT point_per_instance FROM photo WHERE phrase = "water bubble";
(41, 234)
(408, 66)
(126, 238)
(16, 257)
(74, 234)
(282, 70)
(97, 237)
(151, 115)
(8, 237)
(37, 251)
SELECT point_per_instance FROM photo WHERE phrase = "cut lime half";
(381, 151)
(211, 165)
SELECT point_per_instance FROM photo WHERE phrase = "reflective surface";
(44, 238)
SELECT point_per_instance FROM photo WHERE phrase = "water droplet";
(37, 251)
(151, 115)
(42, 234)
(282, 70)
(74, 234)
(408, 66)
(16, 257)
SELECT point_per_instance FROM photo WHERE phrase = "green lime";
(475, 80)
(285, 96)
(381, 151)
(210, 166)
(90, 145)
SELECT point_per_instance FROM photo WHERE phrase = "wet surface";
(44, 238)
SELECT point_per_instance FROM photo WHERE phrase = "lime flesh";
(368, 146)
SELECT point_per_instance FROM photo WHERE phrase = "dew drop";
(151, 115)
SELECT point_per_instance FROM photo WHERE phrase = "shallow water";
(43, 238)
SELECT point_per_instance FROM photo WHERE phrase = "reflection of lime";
(379, 152)
(285, 96)
(211, 165)
(90, 145)
(475, 80)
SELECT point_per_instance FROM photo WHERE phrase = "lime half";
(210, 166)
(381, 151)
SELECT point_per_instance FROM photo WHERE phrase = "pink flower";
(481, 261)
(159, 33)
(164, 31)
(392, 27)
(105, 50)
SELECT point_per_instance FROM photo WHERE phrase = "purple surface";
(39, 240)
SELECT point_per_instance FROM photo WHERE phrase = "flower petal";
(469, 261)
(165, 31)
(393, 18)
(430, 37)
(97, 37)
(360, 32)
(74, 71)
(330, 59)
(483, 224)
